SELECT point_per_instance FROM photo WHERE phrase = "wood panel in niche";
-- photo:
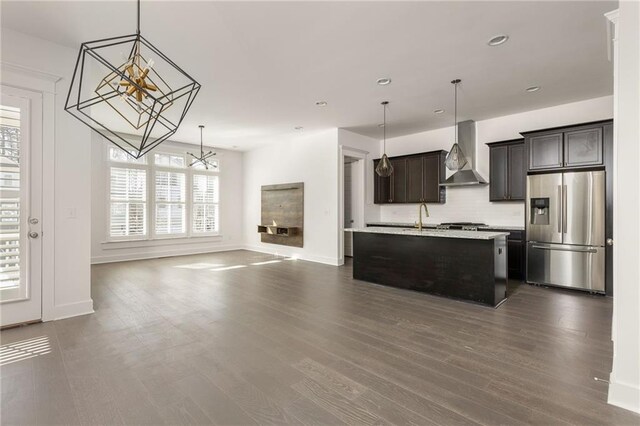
(282, 216)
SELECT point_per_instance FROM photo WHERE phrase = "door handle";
(33, 221)
(560, 208)
(579, 250)
(33, 235)
(564, 209)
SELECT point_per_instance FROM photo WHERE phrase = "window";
(170, 203)
(158, 196)
(205, 203)
(169, 160)
(128, 202)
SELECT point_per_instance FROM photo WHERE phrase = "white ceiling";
(263, 65)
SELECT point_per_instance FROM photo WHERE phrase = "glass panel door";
(12, 287)
(20, 205)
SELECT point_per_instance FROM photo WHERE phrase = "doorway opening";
(353, 199)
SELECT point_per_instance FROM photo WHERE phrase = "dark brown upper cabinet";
(399, 180)
(545, 152)
(433, 175)
(507, 170)
(415, 179)
(565, 148)
(415, 170)
(381, 187)
(583, 147)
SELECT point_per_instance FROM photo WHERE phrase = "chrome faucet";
(426, 212)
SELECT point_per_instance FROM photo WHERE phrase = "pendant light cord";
(455, 110)
(138, 27)
(384, 128)
(201, 145)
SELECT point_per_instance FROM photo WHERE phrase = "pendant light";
(129, 92)
(203, 159)
(455, 159)
(384, 167)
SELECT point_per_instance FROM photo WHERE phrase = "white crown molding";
(29, 78)
(613, 16)
(612, 31)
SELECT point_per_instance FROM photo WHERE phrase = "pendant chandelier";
(204, 158)
(384, 167)
(129, 92)
(455, 159)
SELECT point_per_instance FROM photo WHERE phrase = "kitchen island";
(465, 265)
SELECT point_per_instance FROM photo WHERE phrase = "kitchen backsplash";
(464, 204)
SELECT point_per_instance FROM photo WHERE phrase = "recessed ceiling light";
(438, 111)
(383, 81)
(497, 40)
(321, 103)
(298, 128)
(532, 89)
(381, 125)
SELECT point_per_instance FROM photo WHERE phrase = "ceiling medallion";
(129, 92)
(204, 158)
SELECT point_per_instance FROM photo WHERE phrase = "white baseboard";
(164, 253)
(291, 252)
(624, 395)
(73, 309)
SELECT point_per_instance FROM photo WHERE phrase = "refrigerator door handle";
(560, 208)
(579, 250)
(564, 209)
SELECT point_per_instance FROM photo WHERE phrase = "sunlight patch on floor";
(200, 265)
(266, 262)
(226, 268)
(24, 349)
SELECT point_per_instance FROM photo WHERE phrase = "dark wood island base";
(473, 270)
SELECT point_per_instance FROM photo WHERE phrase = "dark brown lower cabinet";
(516, 245)
(416, 178)
(516, 250)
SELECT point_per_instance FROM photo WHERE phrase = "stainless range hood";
(468, 176)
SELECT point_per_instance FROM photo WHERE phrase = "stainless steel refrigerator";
(565, 215)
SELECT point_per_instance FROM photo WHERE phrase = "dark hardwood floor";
(245, 338)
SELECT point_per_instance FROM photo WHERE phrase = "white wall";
(472, 203)
(624, 390)
(71, 281)
(231, 237)
(308, 158)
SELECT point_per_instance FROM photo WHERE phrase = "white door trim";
(359, 211)
(33, 80)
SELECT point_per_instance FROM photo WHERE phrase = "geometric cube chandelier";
(129, 92)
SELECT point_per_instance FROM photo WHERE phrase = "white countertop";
(433, 225)
(444, 233)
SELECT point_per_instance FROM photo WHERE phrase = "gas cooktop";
(465, 226)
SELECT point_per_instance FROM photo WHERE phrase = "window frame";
(151, 168)
(125, 165)
(193, 203)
